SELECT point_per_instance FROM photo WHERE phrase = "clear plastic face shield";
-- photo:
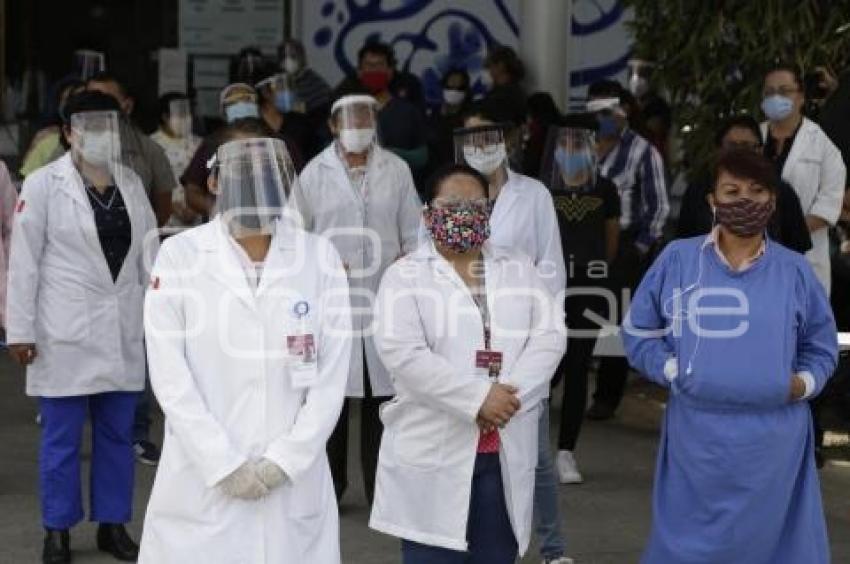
(252, 182)
(483, 148)
(89, 63)
(610, 115)
(569, 160)
(280, 89)
(180, 119)
(239, 101)
(96, 141)
(354, 123)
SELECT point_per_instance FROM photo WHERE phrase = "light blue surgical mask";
(608, 126)
(284, 101)
(777, 107)
(572, 164)
(241, 110)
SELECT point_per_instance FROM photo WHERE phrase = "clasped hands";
(499, 407)
(253, 480)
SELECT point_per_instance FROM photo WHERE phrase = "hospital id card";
(302, 350)
(489, 360)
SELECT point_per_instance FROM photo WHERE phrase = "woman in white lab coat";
(83, 237)
(806, 159)
(363, 199)
(471, 337)
(523, 219)
(247, 322)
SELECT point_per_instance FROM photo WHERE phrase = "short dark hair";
(106, 76)
(794, 70)
(745, 164)
(164, 103)
(439, 177)
(86, 101)
(506, 56)
(377, 48)
(742, 121)
(456, 71)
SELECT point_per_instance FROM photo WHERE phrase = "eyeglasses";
(781, 91)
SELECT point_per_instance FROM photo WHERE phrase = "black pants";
(370, 440)
(626, 273)
(575, 364)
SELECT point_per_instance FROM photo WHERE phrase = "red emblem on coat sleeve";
(20, 207)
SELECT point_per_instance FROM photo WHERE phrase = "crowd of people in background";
(581, 199)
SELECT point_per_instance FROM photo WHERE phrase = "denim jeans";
(547, 516)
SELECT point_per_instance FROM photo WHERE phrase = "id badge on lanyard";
(302, 351)
(487, 359)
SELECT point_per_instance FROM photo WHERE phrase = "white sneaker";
(562, 559)
(567, 469)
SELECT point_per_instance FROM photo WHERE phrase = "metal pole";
(544, 34)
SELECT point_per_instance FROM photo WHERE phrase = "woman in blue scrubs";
(741, 332)
(77, 275)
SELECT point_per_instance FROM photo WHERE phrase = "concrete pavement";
(606, 519)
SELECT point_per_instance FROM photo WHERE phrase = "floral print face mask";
(460, 226)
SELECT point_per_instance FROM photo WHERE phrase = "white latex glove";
(244, 483)
(270, 473)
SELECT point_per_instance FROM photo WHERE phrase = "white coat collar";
(508, 196)
(71, 182)
(223, 265)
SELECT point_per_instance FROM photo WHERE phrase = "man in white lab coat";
(248, 325)
(523, 219)
(363, 199)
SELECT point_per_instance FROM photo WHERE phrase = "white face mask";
(485, 159)
(179, 126)
(97, 148)
(291, 65)
(356, 140)
(486, 79)
(638, 85)
(453, 97)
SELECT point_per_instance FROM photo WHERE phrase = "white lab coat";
(219, 369)
(816, 171)
(389, 214)
(87, 329)
(524, 218)
(428, 331)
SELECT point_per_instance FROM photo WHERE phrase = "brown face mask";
(745, 217)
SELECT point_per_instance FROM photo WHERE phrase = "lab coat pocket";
(65, 318)
(418, 437)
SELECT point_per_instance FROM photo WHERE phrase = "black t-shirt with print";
(582, 213)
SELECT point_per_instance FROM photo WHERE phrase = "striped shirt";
(637, 169)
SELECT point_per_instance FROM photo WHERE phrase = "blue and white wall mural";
(432, 36)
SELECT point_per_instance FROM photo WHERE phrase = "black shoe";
(57, 547)
(146, 453)
(600, 412)
(115, 540)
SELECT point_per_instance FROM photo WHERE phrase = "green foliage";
(712, 55)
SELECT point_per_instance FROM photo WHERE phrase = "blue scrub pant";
(547, 515)
(489, 532)
(112, 462)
